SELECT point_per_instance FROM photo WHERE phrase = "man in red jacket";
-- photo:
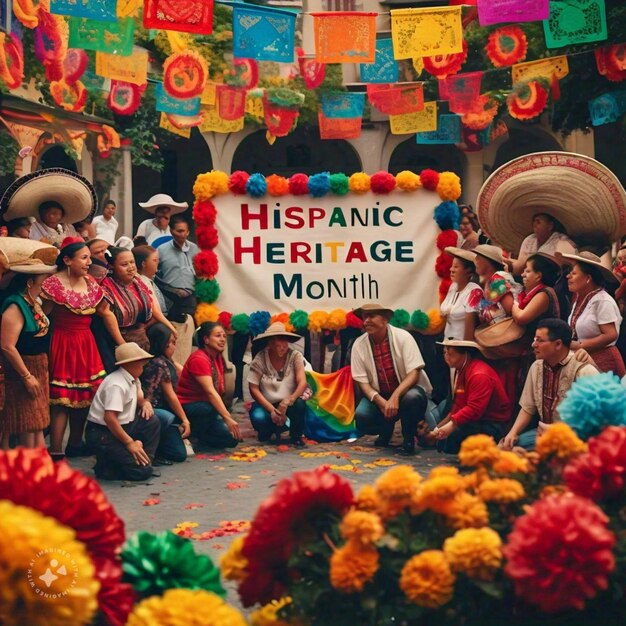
(480, 403)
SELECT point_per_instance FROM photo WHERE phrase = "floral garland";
(206, 264)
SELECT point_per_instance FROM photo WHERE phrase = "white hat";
(162, 199)
(277, 329)
(129, 353)
(459, 343)
(466, 255)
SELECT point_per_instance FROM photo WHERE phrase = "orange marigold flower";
(511, 463)
(471, 481)
(560, 441)
(396, 489)
(467, 511)
(478, 450)
(427, 579)
(352, 566)
(233, 564)
(361, 526)
(501, 490)
(437, 493)
(476, 552)
(366, 499)
(444, 470)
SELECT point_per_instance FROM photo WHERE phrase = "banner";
(463, 90)
(499, 11)
(385, 68)
(575, 22)
(345, 37)
(212, 122)
(543, 68)
(132, 69)
(165, 124)
(448, 131)
(420, 121)
(298, 252)
(343, 104)
(339, 127)
(104, 10)
(607, 108)
(167, 104)
(109, 37)
(190, 16)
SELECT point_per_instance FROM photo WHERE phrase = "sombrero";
(277, 329)
(584, 195)
(162, 199)
(73, 192)
(588, 258)
(466, 255)
(493, 253)
(459, 343)
(372, 307)
(26, 256)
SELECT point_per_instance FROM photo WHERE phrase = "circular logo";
(52, 572)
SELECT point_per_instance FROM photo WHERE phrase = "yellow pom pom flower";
(511, 463)
(449, 186)
(467, 511)
(437, 493)
(206, 312)
(427, 579)
(336, 319)
(367, 499)
(359, 182)
(185, 606)
(233, 563)
(317, 321)
(210, 184)
(46, 575)
(408, 181)
(352, 566)
(501, 490)
(361, 526)
(478, 450)
(560, 441)
(436, 322)
(476, 552)
(267, 615)
(396, 489)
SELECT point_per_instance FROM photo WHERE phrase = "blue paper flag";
(448, 131)
(103, 10)
(264, 34)
(343, 104)
(385, 68)
(168, 104)
(607, 108)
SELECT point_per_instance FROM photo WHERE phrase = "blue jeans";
(412, 407)
(208, 426)
(262, 422)
(171, 445)
(528, 439)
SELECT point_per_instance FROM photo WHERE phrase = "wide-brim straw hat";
(588, 258)
(162, 199)
(73, 192)
(26, 256)
(459, 343)
(493, 253)
(277, 330)
(372, 307)
(466, 255)
(578, 191)
(129, 353)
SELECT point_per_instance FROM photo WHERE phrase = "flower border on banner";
(216, 183)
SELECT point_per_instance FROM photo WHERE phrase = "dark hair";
(159, 336)
(96, 240)
(557, 329)
(558, 227)
(69, 252)
(549, 271)
(141, 254)
(19, 282)
(595, 273)
(50, 204)
(109, 201)
(140, 241)
(471, 218)
(178, 219)
(469, 265)
(18, 222)
(113, 252)
(204, 331)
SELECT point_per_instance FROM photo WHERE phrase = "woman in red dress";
(72, 297)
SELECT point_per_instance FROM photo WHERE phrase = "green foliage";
(8, 152)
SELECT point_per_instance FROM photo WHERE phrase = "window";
(340, 5)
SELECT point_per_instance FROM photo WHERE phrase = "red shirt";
(479, 395)
(387, 380)
(198, 364)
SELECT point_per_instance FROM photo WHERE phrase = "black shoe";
(161, 461)
(263, 437)
(156, 473)
(382, 441)
(298, 443)
(408, 446)
(57, 456)
(77, 451)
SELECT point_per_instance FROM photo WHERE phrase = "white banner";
(298, 252)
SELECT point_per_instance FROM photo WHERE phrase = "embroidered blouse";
(158, 370)
(456, 305)
(275, 385)
(78, 303)
(490, 309)
(131, 304)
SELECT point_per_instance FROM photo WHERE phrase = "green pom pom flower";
(400, 318)
(419, 320)
(207, 290)
(154, 563)
(299, 319)
(339, 184)
(240, 323)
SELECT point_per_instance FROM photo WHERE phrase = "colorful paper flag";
(208, 94)
(448, 131)
(103, 10)
(109, 37)
(385, 68)
(499, 11)
(132, 69)
(543, 68)
(168, 104)
(212, 122)
(575, 22)
(349, 105)
(396, 99)
(190, 16)
(345, 37)
(463, 90)
(165, 124)
(420, 121)
(339, 127)
(607, 108)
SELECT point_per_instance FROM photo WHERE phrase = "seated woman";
(277, 381)
(469, 228)
(158, 381)
(201, 388)
(49, 227)
(480, 403)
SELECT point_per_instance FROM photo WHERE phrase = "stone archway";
(524, 140)
(56, 156)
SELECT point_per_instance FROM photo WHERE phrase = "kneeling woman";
(201, 387)
(277, 381)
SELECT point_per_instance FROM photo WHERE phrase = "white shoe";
(188, 447)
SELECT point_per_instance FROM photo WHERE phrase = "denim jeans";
(171, 445)
(262, 422)
(208, 426)
(452, 444)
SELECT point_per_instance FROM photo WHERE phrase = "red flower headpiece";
(68, 241)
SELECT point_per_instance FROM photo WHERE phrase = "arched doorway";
(524, 140)
(300, 152)
(56, 156)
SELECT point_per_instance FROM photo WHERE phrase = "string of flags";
(431, 38)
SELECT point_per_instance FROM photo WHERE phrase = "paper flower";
(238, 181)
(207, 237)
(256, 185)
(74, 64)
(352, 321)
(560, 553)
(359, 182)
(449, 186)
(71, 97)
(408, 181)
(352, 566)
(383, 182)
(447, 238)
(507, 46)
(210, 184)
(206, 264)
(299, 319)
(336, 319)
(317, 321)
(299, 184)
(225, 319)
(444, 287)
(258, 322)
(476, 552)
(527, 100)
(185, 74)
(400, 318)
(319, 184)
(283, 318)
(204, 213)
(277, 185)
(482, 114)
(206, 313)
(124, 98)
(240, 323)
(154, 563)
(427, 579)
(339, 184)
(447, 215)
(443, 264)
(442, 65)
(207, 290)
(419, 320)
(429, 179)
(27, 12)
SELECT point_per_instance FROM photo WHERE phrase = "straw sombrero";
(588, 258)
(162, 199)
(459, 343)
(493, 253)
(372, 307)
(584, 195)
(277, 329)
(73, 192)
(26, 256)
(466, 255)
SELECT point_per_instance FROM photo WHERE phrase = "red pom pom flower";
(299, 184)
(205, 263)
(442, 65)
(447, 238)
(444, 286)
(382, 182)
(560, 553)
(352, 321)
(443, 265)
(528, 100)
(430, 179)
(204, 213)
(507, 46)
(207, 237)
(237, 182)
(224, 318)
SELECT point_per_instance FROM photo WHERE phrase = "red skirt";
(609, 360)
(76, 369)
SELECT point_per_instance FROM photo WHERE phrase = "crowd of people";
(97, 333)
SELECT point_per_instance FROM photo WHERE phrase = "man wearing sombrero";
(56, 198)
(389, 369)
(162, 207)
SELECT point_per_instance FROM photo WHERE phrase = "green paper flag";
(575, 22)
(109, 37)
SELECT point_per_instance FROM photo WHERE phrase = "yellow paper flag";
(426, 32)
(168, 126)
(213, 122)
(208, 94)
(254, 107)
(128, 8)
(132, 69)
(544, 68)
(179, 42)
(418, 122)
